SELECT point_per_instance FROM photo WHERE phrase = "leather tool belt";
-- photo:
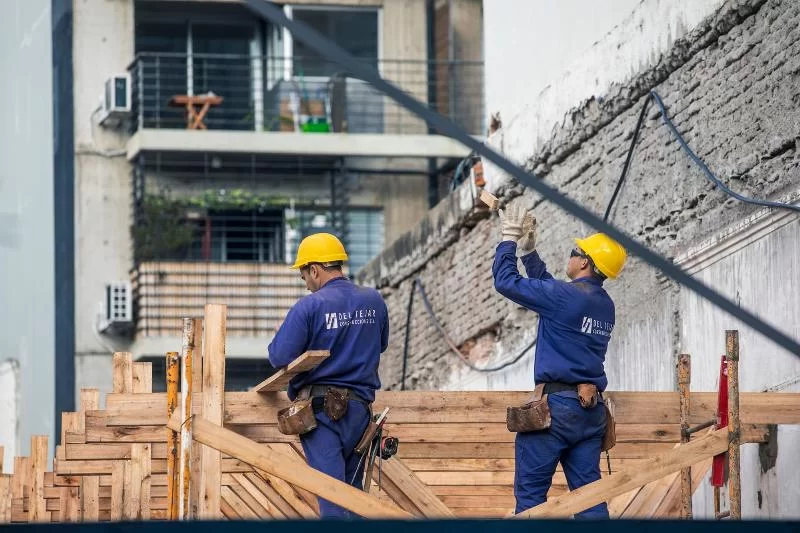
(299, 418)
(532, 416)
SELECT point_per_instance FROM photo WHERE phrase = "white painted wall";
(9, 412)
(567, 52)
(756, 272)
(26, 214)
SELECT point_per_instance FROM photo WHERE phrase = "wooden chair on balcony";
(197, 108)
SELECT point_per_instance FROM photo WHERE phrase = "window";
(364, 233)
(238, 235)
(355, 30)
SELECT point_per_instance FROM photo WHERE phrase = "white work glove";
(511, 219)
(527, 243)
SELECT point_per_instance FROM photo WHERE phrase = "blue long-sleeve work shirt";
(351, 322)
(575, 318)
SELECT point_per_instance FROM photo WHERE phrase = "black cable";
(417, 284)
(628, 158)
(408, 330)
(447, 127)
(653, 96)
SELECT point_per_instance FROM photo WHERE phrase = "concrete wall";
(26, 221)
(102, 46)
(731, 86)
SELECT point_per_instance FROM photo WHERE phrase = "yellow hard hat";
(319, 248)
(607, 254)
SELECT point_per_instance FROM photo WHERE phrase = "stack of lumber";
(456, 457)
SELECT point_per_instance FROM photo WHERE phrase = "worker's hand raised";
(527, 243)
(511, 218)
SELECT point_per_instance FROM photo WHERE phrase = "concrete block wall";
(732, 88)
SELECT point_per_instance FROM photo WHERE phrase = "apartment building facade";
(220, 142)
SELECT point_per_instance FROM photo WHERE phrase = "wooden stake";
(187, 353)
(292, 470)
(734, 425)
(684, 379)
(213, 407)
(197, 448)
(123, 372)
(142, 378)
(38, 464)
(172, 437)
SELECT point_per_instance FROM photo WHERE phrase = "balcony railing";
(258, 295)
(299, 94)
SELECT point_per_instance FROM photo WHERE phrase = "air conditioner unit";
(116, 101)
(118, 307)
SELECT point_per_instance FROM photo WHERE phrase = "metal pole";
(684, 378)
(172, 436)
(734, 426)
(187, 351)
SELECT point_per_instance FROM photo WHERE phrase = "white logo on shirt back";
(331, 321)
(593, 326)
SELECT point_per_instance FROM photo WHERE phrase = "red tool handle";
(718, 465)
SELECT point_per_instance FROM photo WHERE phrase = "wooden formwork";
(456, 457)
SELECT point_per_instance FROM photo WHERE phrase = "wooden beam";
(415, 490)
(90, 498)
(172, 436)
(187, 378)
(38, 464)
(428, 407)
(142, 378)
(280, 379)
(626, 480)
(684, 380)
(122, 372)
(213, 407)
(489, 199)
(734, 425)
(291, 470)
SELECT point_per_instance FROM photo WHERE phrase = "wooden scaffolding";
(199, 452)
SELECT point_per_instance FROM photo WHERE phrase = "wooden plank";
(137, 497)
(241, 508)
(412, 407)
(183, 493)
(90, 399)
(297, 506)
(142, 378)
(291, 470)
(213, 407)
(650, 497)
(489, 199)
(197, 409)
(35, 492)
(280, 379)
(227, 510)
(122, 366)
(117, 490)
(618, 504)
(263, 483)
(258, 510)
(269, 508)
(5, 498)
(90, 498)
(624, 481)
(172, 436)
(404, 478)
(109, 450)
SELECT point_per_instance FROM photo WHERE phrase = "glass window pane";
(354, 30)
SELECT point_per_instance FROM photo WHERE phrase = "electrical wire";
(418, 286)
(654, 96)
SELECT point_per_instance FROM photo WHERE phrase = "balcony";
(256, 101)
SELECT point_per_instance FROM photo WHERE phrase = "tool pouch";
(533, 416)
(335, 405)
(610, 436)
(297, 419)
(587, 395)
(366, 438)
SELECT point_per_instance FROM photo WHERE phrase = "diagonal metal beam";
(332, 51)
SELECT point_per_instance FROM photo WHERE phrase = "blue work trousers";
(329, 449)
(574, 438)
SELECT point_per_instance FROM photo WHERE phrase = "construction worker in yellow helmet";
(576, 319)
(352, 323)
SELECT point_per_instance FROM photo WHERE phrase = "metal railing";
(300, 94)
(258, 295)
